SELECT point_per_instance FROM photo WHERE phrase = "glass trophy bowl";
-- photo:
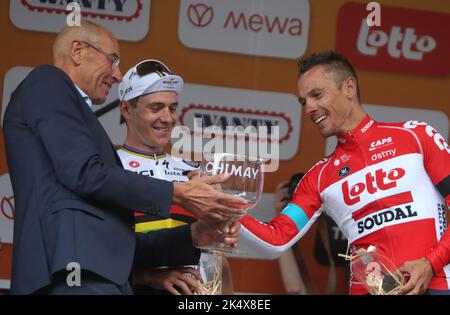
(377, 273)
(210, 268)
(246, 181)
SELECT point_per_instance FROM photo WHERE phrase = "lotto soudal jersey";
(385, 185)
(162, 166)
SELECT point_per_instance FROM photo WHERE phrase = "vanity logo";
(127, 19)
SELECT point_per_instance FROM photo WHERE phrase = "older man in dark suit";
(74, 201)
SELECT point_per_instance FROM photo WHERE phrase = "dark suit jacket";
(74, 202)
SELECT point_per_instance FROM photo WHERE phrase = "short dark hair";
(332, 62)
(133, 102)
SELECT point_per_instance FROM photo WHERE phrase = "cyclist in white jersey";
(148, 105)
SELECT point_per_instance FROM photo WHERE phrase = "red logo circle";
(200, 15)
(134, 164)
(7, 207)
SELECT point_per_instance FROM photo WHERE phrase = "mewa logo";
(201, 15)
(410, 41)
(7, 207)
(252, 27)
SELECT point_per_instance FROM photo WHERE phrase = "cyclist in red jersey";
(386, 184)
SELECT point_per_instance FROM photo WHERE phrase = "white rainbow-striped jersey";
(162, 166)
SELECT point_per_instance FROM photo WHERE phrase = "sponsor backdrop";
(238, 59)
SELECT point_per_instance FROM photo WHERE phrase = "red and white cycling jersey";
(383, 186)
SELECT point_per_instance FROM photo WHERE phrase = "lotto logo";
(399, 43)
(409, 41)
(380, 180)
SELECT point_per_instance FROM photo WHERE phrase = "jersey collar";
(358, 133)
(143, 153)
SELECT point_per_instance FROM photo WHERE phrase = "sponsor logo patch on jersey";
(367, 126)
(378, 219)
(384, 154)
(373, 181)
(379, 143)
(344, 171)
(134, 164)
(192, 164)
(345, 158)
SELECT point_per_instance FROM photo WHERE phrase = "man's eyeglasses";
(146, 67)
(115, 60)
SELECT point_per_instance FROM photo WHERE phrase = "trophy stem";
(220, 247)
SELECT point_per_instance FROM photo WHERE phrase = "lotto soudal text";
(385, 216)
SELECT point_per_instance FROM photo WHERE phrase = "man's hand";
(181, 281)
(199, 197)
(193, 174)
(204, 234)
(421, 274)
